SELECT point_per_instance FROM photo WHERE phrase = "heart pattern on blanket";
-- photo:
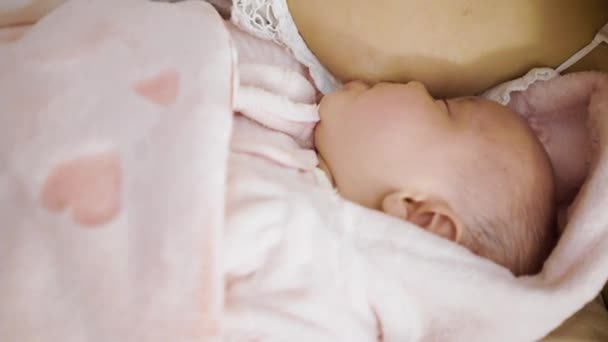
(161, 89)
(89, 186)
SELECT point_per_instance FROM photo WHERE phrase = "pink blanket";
(115, 117)
(134, 207)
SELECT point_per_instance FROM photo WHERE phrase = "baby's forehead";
(499, 142)
(495, 123)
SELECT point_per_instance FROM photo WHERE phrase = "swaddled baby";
(466, 169)
(174, 182)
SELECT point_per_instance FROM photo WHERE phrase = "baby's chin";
(330, 105)
(323, 137)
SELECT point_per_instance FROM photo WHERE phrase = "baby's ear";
(432, 215)
(557, 112)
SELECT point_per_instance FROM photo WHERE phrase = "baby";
(177, 179)
(466, 169)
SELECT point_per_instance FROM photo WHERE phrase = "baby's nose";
(355, 85)
(416, 84)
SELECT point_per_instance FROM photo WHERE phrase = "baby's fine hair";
(520, 240)
(520, 233)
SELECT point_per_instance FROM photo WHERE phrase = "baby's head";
(467, 169)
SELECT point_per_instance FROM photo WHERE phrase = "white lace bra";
(270, 19)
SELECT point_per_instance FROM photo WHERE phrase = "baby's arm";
(274, 89)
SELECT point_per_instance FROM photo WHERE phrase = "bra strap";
(600, 37)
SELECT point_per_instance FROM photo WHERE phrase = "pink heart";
(161, 89)
(89, 186)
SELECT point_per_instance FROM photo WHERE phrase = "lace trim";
(271, 20)
(502, 92)
(256, 17)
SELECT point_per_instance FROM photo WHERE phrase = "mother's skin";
(455, 47)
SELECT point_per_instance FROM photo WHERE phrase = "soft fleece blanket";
(129, 213)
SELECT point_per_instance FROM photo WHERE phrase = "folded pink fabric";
(152, 188)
